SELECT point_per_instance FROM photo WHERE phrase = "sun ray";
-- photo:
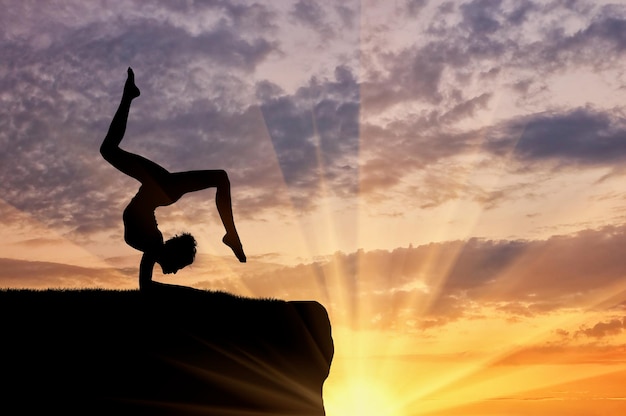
(450, 387)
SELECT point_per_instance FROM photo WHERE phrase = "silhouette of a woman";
(161, 188)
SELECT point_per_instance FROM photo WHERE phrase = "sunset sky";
(447, 178)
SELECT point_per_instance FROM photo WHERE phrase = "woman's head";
(178, 252)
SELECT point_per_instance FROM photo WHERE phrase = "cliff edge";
(169, 351)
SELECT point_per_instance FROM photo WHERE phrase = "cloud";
(604, 329)
(600, 44)
(44, 275)
(576, 138)
(310, 13)
(483, 36)
(478, 16)
(562, 354)
(252, 17)
(414, 7)
(466, 109)
(560, 269)
(435, 284)
(103, 44)
(434, 75)
(424, 103)
(412, 74)
(315, 134)
(521, 13)
(328, 22)
(549, 141)
(347, 15)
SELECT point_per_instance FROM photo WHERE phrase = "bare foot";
(130, 89)
(233, 242)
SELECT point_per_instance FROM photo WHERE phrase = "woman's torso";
(140, 226)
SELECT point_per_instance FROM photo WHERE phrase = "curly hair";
(181, 249)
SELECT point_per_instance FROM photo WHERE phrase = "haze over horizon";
(446, 178)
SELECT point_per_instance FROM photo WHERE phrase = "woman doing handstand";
(161, 188)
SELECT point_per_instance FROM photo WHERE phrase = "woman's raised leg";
(136, 166)
(118, 125)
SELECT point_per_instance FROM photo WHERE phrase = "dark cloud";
(480, 16)
(494, 36)
(521, 12)
(580, 137)
(315, 134)
(411, 75)
(599, 45)
(561, 269)
(309, 13)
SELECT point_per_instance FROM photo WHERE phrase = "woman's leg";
(184, 182)
(118, 125)
(133, 165)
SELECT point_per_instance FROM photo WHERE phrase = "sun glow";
(365, 397)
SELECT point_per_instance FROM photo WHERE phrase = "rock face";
(170, 351)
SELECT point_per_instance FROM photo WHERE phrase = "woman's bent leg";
(185, 182)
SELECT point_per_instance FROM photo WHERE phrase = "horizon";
(447, 179)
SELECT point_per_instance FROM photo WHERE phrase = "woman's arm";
(145, 271)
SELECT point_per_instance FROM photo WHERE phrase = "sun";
(363, 397)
